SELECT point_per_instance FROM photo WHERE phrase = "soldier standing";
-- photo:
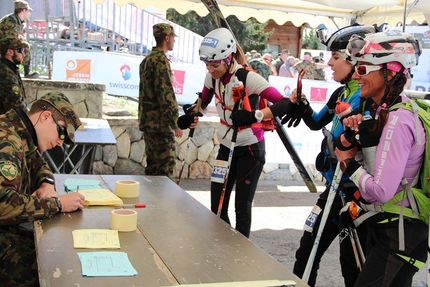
(158, 108)
(27, 191)
(308, 65)
(12, 93)
(12, 25)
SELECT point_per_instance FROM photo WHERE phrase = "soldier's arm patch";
(16, 90)
(9, 170)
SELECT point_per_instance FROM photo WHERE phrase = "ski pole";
(227, 170)
(242, 100)
(331, 195)
(190, 136)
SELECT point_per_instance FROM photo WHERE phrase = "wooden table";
(178, 242)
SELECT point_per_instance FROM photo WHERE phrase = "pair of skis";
(220, 21)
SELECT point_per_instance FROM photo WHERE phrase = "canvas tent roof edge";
(313, 12)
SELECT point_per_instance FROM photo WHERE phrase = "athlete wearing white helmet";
(219, 52)
(392, 158)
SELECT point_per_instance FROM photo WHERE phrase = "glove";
(349, 136)
(350, 212)
(188, 108)
(185, 121)
(295, 113)
(243, 118)
(366, 137)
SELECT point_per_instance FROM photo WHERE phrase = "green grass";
(119, 103)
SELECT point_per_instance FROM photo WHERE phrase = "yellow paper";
(100, 196)
(95, 238)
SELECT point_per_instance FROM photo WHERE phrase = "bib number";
(312, 218)
(219, 170)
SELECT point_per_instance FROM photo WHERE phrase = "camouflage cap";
(163, 29)
(21, 4)
(12, 42)
(62, 104)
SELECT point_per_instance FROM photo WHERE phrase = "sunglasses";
(363, 70)
(20, 50)
(299, 83)
(62, 131)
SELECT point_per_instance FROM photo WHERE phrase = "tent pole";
(332, 19)
(404, 15)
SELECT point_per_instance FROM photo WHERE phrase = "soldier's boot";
(27, 73)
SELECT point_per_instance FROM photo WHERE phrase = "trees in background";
(249, 34)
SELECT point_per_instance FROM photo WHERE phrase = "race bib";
(312, 218)
(219, 171)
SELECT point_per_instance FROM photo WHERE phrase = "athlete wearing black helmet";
(349, 93)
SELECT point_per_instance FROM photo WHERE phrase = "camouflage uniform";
(12, 93)
(158, 109)
(309, 68)
(261, 67)
(319, 74)
(22, 171)
(11, 25)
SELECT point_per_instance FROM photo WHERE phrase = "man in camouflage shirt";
(12, 93)
(306, 64)
(261, 67)
(27, 189)
(158, 108)
(12, 25)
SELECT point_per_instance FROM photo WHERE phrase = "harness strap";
(254, 125)
(414, 262)
(224, 106)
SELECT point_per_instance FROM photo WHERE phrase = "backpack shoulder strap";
(241, 75)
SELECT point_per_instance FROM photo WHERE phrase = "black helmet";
(339, 39)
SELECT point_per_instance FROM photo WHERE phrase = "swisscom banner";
(120, 73)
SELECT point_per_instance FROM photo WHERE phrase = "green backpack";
(418, 197)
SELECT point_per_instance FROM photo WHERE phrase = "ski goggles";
(356, 46)
(364, 70)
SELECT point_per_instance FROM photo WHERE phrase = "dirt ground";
(279, 211)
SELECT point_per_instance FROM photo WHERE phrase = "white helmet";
(217, 45)
(385, 47)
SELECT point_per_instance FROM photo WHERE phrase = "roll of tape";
(124, 220)
(127, 188)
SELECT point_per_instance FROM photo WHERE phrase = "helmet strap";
(229, 65)
(348, 77)
(388, 84)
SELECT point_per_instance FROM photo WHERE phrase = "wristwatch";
(48, 180)
(259, 115)
(344, 164)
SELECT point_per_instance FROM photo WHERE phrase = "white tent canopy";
(313, 12)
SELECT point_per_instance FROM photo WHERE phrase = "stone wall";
(128, 156)
(87, 98)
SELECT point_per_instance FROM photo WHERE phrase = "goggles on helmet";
(357, 46)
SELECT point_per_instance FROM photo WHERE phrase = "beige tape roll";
(127, 188)
(124, 220)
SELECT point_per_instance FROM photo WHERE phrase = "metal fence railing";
(103, 27)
